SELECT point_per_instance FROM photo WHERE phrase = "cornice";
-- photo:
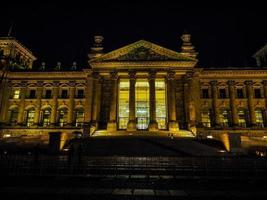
(257, 73)
(145, 64)
(47, 75)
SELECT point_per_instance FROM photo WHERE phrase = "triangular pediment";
(142, 51)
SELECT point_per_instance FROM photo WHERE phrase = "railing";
(223, 167)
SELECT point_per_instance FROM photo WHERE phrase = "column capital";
(213, 83)
(132, 75)
(264, 82)
(152, 75)
(114, 75)
(249, 82)
(95, 75)
(170, 75)
(231, 82)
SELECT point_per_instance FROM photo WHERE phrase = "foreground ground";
(134, 168)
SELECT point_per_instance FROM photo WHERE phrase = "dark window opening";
(48, 94)
(257, 93)
(205, 93)
(240, 93)
(32, 94)
(80, 94)
(222, 93)
(64, 94)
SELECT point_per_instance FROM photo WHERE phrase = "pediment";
(142, 51)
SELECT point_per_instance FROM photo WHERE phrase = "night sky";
(224, 35)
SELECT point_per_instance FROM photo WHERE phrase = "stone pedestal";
(173, 126)
(112, 126)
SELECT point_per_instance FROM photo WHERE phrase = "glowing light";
(210, 136)
(6, 135)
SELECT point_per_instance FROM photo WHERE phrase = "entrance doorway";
(142, 103)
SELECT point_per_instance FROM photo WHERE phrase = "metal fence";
(43, 165)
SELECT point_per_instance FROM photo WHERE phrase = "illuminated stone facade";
(141, 86)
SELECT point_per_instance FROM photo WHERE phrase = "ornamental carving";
(132, 75)
(152, 75)
(39, 83)
(142, 54)
(171, 75)
(72, 83)
(114, 75)
(56, 84)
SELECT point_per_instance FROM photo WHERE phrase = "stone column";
(231, 85)
(131, 126)
(39, 93)
(5, 101)
(71, 103)
(265, 96)
(97, 82)
(22, 103)
(88, 105)
(215, 103)
(153, 125)
(194, 89)
(55, 102)
(172, 121)
(250, 97)
(112, 124)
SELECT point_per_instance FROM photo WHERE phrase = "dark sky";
(224, 35)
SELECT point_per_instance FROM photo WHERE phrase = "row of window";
(223, 93)
(225, 118)
(45, 117)
(47, 94)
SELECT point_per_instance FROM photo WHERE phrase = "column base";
(131, 126)
(112, 126)
(93, 127)
(153, 126)
(173, 126)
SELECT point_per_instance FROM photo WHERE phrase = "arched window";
(224, 118)
(46, 117)
(79, 116)
(259, 117)
(205, 118)
(13, 116)
(30, 116)
(242, 119)
(62, 116)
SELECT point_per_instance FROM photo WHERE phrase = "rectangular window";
(142, 103)
(32, 94)
(64, 94)
(48, 94)
(16, 94)
(80, 94)
(123, 103)
(205, 118)
(161, 113)
(257, 93)
(242, 118)
(222, 93)
(205, 93)
(239, 93)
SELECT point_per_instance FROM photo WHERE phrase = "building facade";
(141, 86)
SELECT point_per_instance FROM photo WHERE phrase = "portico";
(142, 78)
